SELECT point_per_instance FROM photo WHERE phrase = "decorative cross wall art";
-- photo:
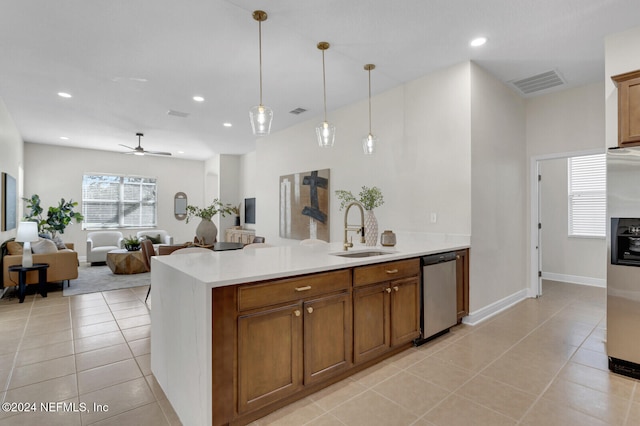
(304, 205)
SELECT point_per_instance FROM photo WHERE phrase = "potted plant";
(131, 243)
(58, 218)
(206, 232)
(370, 198)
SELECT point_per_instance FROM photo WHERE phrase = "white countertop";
(223, 268)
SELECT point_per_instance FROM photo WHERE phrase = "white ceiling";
(127, 63)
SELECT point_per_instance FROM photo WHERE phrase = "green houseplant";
(58, 218)
(131, 243)
(206, 232)
(370, 198)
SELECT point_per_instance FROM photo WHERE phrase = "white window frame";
(587, 196)
(121, 203)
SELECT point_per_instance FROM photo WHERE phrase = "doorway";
(553, 254)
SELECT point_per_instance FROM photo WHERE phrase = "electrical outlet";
(434, 217)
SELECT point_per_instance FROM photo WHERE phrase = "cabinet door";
(269, 356)
(371, 317)
(405, 310)
(462, 283)
(327, 337)
(628, 108)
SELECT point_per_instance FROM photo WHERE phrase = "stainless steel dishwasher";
(439, 311)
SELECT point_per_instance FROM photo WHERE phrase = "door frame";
(534, 288)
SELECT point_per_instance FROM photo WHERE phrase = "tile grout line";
(15, 356)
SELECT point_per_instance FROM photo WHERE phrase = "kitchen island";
(235, 335)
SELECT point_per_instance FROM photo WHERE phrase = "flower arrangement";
(210, 211)
(370, 198)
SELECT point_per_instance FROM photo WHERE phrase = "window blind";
(114, 201)
(587, 195)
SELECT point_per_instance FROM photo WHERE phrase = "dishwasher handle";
(438, 258)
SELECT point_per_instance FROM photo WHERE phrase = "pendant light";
(370, 142)
(260, 115)
(325, 132)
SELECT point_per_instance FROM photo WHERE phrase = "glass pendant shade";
(326, 134)
(369, 144)
(261, 117)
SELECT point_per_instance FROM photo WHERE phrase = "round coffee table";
(123, 262)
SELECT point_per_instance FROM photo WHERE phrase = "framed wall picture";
(304, 205)
(9, 202)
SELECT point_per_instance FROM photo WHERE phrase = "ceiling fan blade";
(157, 153)
(126, 146)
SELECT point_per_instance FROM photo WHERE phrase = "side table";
(22, 278)
(126, 262)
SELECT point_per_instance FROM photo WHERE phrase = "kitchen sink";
(361, 253)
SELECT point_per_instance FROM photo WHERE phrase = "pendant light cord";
(324, 88)
(260, 55)
(369, 101)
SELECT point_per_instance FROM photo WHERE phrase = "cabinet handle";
(457, 256)
(388, 290)
(310, 309)
(392, 271)
(305, 288)
(296, 312)
(395, 287)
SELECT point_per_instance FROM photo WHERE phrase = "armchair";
(100, 243)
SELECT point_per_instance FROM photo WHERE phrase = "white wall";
(247, 183)
(56, 172)
(566, 258)
(11, 154)
(560, 123)
(422, 165)
(498, 242)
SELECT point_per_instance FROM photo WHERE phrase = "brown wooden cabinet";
(292, 335)
(269, 356)
(628, 108)
(387, 312)
(462, 283)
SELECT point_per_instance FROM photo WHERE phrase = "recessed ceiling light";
(64, 95)
(476, 42)
(227, 124)
(198, 98)
(64, 138)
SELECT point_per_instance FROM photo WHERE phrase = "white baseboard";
(495, 308)
(575, 279)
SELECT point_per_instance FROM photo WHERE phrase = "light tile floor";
(541, 362)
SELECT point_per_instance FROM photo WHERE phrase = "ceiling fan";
(141, 151)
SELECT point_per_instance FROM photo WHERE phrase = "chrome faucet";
(348, 228)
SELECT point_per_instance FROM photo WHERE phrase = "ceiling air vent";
(297, 111)
(178, 113)
(538, 82)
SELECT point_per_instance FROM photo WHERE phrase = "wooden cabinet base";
(308, 390)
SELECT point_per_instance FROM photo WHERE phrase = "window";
(587, 196)
(113, 201)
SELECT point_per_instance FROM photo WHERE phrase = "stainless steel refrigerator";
(623, 263)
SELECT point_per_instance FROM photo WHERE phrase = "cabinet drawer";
(364, 275)
(281, 291)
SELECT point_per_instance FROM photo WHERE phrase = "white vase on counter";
(370, 228)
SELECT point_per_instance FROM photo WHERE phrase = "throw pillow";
(43, 246)
(14, 247)
(154, 240)
(59, 243)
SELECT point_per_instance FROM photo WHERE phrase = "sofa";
(63, 265)
(100, 243)
(157, 237)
